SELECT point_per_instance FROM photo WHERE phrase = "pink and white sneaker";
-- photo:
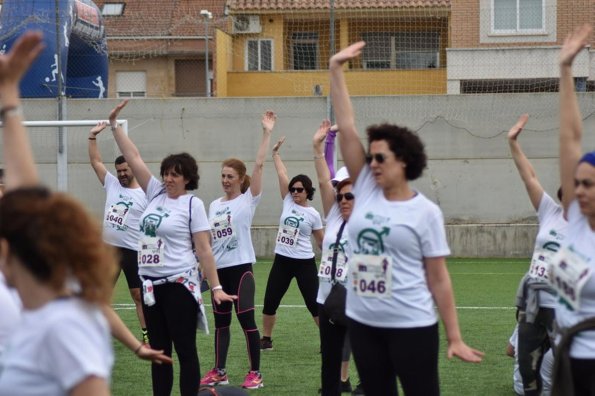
(215, 377)
(253, 380)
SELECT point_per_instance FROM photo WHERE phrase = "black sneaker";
(358, 391)
(346, 386)
(266, 344)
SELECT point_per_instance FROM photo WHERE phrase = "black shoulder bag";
(334, 305)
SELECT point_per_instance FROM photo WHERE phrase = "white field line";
(123, 307)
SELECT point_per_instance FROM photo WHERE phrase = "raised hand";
(574, 43)
(15, 63)
(320, 134)
(98, 128)
(268, 120)
(278, 145)
(113, 115)
(346, 54)
(517, 128)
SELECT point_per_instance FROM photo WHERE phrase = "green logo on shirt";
(370, 241)
(151, 223)
(293, 221)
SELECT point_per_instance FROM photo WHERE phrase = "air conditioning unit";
(246, 24)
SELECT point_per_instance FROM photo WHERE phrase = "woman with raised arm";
(337, 204)
(572, 269)
(173, 223)
(231, 219)
(294, 256)
(398, 269)
(537, 300)
(62, 344)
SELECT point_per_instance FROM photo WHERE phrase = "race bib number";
(371, 275)
(326, 265)
(221, 227)
(288, 235)
(150, 252)
(568, 275)
(540, 263)
(117, 214)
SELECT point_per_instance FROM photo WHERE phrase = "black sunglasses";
(348, 196)
(379, 157)
(296, 189)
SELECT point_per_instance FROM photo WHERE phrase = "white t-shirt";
(552, 230)
(123, 208)
(165, 246)
(230, 229)
(333, 223)
(10, 311)
(295, 228)
(404, 232)
(581, 239)
(55, 348)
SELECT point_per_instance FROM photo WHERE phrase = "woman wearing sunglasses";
(398, 267)
(337, 203)
(294, 256)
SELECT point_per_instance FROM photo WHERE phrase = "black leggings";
(173, 318)
(238, 280)
(383, 354)
(129, 264)
(332, 338)
(582, 376)
(283, 271)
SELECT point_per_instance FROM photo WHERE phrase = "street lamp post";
(207, 15)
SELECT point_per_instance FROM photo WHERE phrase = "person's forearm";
(445, 302)
(263, 147)
(340, 98)
(329, 151)
(125, 144)
(119, 330)
(526, 170)
(18, 156)
(207, 264)
(570, 116)
(94, 155)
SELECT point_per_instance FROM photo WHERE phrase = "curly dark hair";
(306, 182)
(55, 238)
(404, 143)
(185, 165)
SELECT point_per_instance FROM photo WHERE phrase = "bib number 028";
(148, 259)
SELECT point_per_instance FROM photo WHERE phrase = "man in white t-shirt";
(125, 203)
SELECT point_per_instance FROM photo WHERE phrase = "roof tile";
(279, 5)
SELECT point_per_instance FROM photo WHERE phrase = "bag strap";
(190, 221)
(336, 250)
